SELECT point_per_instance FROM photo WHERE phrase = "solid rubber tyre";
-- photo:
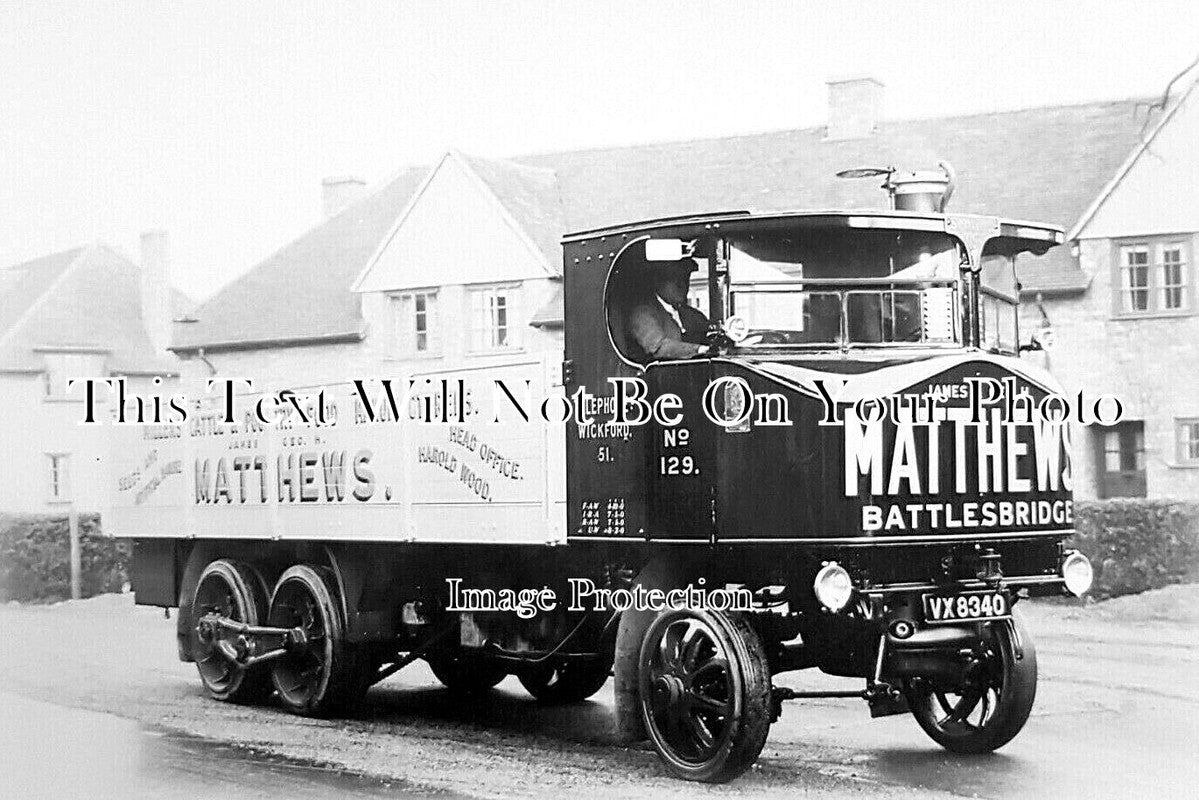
(704, 691)
(235, 590)
(326, 675)
(1002, 690)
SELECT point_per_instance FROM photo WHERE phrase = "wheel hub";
(669, 689)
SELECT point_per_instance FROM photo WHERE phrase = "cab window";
(997, 305)
(846, 287)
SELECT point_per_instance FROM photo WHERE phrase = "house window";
(1121, 460)
(415, 315)
(493, 318)
(59, 478)
(1188, 440)
(1173, 276)
(1153, 277)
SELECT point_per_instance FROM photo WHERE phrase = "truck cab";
(860, 436)
(805, 311)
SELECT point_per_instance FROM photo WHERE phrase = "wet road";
(1117, 716)
(1113, 720)
(48, 751)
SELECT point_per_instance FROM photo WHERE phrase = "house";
(460, 260)
(1130, 327)
(85, 312)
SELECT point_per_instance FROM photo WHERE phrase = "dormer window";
(493, 318)
(415, 323)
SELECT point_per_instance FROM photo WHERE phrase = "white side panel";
(350, 479)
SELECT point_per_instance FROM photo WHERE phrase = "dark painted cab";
(855, 438)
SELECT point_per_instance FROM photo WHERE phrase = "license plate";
(966, 607)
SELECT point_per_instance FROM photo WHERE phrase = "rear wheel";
(321, 674)
(235, 591)
(463, 674)
(567, 682)
(704, 688)
(987, 709)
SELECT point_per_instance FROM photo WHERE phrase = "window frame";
(403, 339)
(1181, 455)
(480, 336)
(1155, 287)
(1006, 302)
(1130, 436)
(58, 486)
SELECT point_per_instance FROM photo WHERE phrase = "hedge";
(1134, 544)
(1137, 544)
(35, 558)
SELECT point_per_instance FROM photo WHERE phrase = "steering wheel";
(718, 340)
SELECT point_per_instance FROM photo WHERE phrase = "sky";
(216, 121)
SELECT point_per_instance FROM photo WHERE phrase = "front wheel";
(990, 706)
(704, 688)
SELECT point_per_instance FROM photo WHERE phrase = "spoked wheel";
(566, 682)
(990, 707)
(704, 689)
(321, 674)
(465, 674)
(235, 591)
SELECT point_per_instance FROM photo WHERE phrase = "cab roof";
(1035, 236)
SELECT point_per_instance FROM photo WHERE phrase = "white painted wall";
(454, 233)
(1160, 194)
(34, 426)
(455, 237)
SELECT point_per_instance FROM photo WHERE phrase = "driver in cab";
(664, 325)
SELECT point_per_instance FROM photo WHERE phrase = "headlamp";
(1077, 573)
(833, 586)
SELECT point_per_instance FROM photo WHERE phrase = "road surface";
(55, 752)
(1117, 716)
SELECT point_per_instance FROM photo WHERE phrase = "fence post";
(76, 554)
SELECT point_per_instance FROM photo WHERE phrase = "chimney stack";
(855, 107)
(339, 191)
(156, 288)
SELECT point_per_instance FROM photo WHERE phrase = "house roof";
(1043, 164)
(86, 299)
(301, 293)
